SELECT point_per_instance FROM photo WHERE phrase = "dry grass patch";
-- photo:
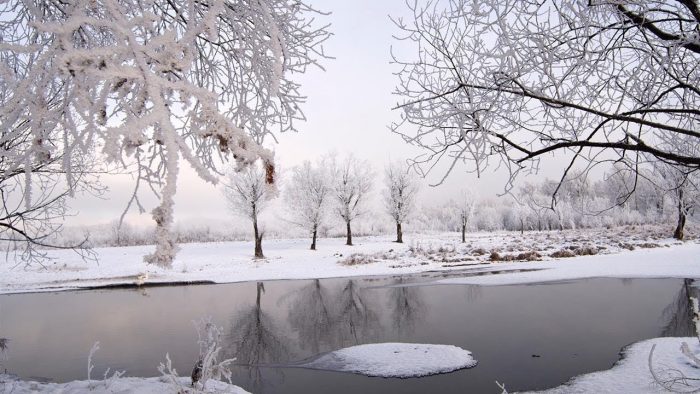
(357, 259)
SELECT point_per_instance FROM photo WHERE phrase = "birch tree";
(248, 194)
(400, 195)
(508, 83)
(308, 196)
(352, 182)
(152, 82)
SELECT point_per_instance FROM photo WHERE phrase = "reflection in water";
(406, 306)
(255, 339)
(309, 317)
(3, 352)
(355, 322)
(679, 314)
(473, 293)
(575, 326)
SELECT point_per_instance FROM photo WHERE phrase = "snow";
(226, 262)
(156, 385)
(395, 360)
(651, 257)
(631, 374)
(677, 262)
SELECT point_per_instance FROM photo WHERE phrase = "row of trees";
(317, 192)
(309, 205)
(315, 189)
(619, 198)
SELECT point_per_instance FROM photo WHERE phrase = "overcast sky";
(348, 110)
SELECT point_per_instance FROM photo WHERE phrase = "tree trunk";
(522, 227)
(679, 233)
(348, 240)
(258, 240)
(399, 233)
(464, 233)
(313, 238)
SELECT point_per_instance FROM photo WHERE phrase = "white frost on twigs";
(151, 82)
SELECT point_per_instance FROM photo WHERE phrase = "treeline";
(331, 198)
(615, 200)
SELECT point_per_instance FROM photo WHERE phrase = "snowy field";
(628, 252)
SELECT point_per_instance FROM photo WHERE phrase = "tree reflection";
(406, 306)
(679, 314)
(255, 339)
(310, 317)
(354, 322)
(473, 293)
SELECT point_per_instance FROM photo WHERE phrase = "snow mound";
(156, 385)
(395, 360)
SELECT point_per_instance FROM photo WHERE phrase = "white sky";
(348, 110)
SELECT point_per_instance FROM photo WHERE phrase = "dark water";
(575, 327)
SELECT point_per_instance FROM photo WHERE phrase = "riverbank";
(632, 373)
(625, 252)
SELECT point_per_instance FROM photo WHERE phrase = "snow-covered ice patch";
(395, 360)
(156, 385)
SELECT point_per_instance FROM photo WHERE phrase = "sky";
(348, 110)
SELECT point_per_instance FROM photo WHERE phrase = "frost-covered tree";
(248, 194)
(463, 209)
(34, 197)
(307, 196)
(511, 82)
(532, 197)
(153, 82)
(683, 187)
(400, 195)
(352, 182)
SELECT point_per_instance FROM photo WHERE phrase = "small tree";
(352, 182)
(464, 210)
(248, 193)
(307, 197)
(400, 194)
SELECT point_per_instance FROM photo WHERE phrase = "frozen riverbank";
(156, 385)
(639, 252)
(632, 375)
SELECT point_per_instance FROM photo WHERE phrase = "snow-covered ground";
(156, 385)
(395, 360)
(631, 374)
(679, 261)
(641, 251)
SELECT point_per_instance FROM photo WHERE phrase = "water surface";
(527, 336)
